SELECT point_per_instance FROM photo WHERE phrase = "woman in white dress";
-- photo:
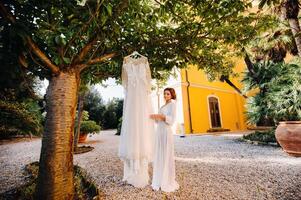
(164, 161)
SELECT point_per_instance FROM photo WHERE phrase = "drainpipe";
(188, 99)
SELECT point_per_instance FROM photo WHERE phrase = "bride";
(164, 161)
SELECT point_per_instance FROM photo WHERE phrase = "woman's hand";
(158, 117)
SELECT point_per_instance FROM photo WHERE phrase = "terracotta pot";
(82, 137)
(288, 135)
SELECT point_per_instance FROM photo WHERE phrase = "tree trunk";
(55, 179)
(295, 27)
(234, 87)
(290, 8)
(79, 118)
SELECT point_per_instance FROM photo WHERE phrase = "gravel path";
(207, 167)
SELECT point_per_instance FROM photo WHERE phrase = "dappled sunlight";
(242, 160)
(91, 141)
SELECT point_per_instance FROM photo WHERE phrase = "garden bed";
(84, 186)
(18, 138)
(212, 130)
(83, 149)
(261, 138)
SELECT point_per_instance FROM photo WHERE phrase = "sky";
(109, 89)
(112, 90)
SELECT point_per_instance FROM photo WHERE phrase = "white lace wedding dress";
(137, 130)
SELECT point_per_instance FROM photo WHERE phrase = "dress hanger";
(135, 55)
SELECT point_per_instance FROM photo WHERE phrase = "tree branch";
(6, 14)
(102, 58)
(85, 50)
(33, 46)
(225, 78)
(97, 60)
(170, 9)
(35, 49)
(83, 28)
(249, 63)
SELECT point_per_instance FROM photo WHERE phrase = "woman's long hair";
(172, 92)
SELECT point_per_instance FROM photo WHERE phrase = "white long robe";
(164, 160)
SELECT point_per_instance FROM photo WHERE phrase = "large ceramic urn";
(288, 135)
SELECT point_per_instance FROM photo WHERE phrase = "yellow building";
(205, 106)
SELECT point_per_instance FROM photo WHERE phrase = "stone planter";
(288, 135)
(82, 137)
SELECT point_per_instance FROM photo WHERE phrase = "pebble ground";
(207, 167)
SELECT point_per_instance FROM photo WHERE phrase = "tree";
(119, 108)
(285, 93)
(289, 10)
(20, 113)
(20, 118)
(63, 42)
(279, 92)
(112, 114)
(273, 45)
(95, 105)
(80, 108)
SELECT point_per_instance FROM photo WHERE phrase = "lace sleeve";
(172, 117)
(148, 77)
(124, 78)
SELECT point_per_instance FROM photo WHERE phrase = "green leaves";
(59, 60)
(60, 40)
(109, 9)
(285, 93)
(170, 33)
(20, 118)
(67, 60)
(263, 3)
(279, 96)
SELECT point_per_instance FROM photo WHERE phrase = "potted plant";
(87, 127)
(285, 99)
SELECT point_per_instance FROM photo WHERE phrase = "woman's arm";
(171, 118)
(158, 117)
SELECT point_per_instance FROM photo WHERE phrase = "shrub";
(89, 127)
(18, 118)
(279, 96)
(285, 94)
(262, 136)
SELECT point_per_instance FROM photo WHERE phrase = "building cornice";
(208, 87)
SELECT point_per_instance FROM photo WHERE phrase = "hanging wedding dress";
(137, 130)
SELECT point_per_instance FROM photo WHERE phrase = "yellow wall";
(231, 103)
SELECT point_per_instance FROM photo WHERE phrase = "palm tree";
(273, 45)
(289, 10)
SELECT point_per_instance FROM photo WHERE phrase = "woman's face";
(167, 95)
